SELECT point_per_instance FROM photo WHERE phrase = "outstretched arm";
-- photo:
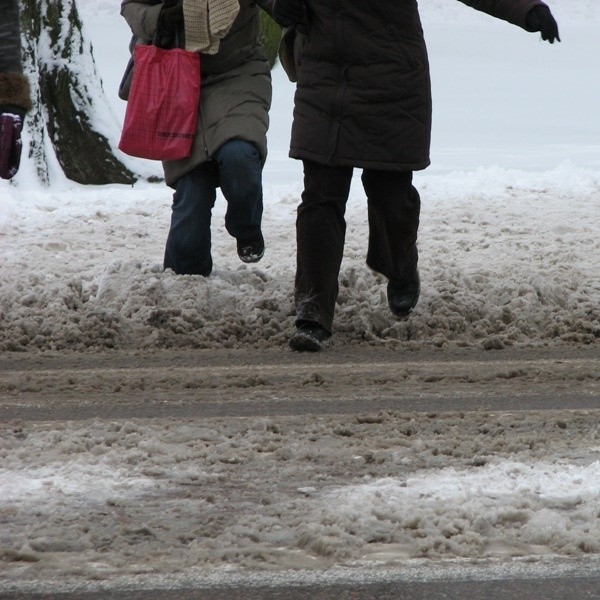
(532, 15)
(540, 19)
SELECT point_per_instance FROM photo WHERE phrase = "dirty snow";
(95, 498)
(509, 251)
(508, 242)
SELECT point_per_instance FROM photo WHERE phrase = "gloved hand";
(171, 17)
(540, 19)
(289, 12)
(11, 123)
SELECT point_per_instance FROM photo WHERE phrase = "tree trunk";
(71, 116)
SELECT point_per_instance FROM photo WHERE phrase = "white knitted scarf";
(206, 22)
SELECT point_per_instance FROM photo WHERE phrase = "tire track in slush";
(76, 388)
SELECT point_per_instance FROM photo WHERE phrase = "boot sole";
(303, 342)
(253, 258)
(403, 313)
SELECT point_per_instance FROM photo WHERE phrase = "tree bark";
(70, 106)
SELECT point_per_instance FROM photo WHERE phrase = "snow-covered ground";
(510, 216)
(509, 247)
(102, 499)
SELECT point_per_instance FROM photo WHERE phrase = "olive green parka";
(235, 82)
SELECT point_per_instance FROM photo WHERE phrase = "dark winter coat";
(14, 87)
(363, 96)
(235, 88)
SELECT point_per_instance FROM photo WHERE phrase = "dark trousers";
(237, 169)
(393, 208)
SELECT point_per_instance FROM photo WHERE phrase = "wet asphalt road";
(572, 588)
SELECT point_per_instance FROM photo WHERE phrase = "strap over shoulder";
(290, 51)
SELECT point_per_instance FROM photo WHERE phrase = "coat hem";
(358, 163)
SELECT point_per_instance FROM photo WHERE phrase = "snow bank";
(507, 259)
(508, 241)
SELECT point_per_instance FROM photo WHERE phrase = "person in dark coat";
(363, 99)
(230, 146)
(15, 99)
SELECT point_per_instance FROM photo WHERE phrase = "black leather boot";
(403, 296)
(309, 337)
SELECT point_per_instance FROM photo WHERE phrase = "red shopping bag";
(162, 109)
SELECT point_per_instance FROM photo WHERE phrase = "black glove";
(171, 17)
(540, 18)
(289, 12)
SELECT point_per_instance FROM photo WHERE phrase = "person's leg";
(394, 209)
(240, 174)
(320, 236)
(187, 251)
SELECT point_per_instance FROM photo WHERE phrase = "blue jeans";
(237, 169)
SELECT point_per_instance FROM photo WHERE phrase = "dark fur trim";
(14, 89)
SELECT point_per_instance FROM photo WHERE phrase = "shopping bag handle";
(158, 34)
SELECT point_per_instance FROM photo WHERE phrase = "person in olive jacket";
(363, 99)
(230, 147)
(15, 98)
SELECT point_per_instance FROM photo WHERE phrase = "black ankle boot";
(251, 251)
(309, 337)
(403, 296)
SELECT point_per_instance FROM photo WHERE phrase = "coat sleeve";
(513, 11)
(266, 5)
(10, 38)
(142, 17)
(14, 86)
